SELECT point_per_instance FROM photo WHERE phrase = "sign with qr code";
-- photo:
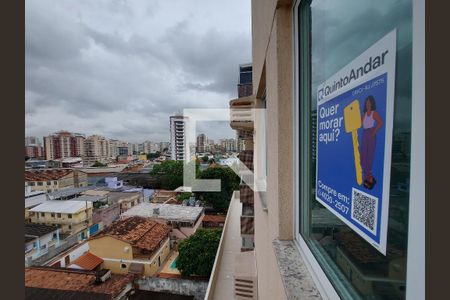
(354, 140)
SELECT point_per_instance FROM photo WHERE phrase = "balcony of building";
(242, 113)
(234, 272)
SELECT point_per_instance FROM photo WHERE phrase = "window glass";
(332, 34)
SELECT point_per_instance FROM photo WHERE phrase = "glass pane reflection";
(338, 31)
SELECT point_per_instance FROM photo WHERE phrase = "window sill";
(297, 281)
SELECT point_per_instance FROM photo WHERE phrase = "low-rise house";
(66, 257)
(124, 198)
(38, 239)
(184, 220)
(87, 261)
(33, 199)
(50, 180)
(68, 193)
(213, 221)
(74, 217)
(162, 196)
(133, 245)
(61, 283)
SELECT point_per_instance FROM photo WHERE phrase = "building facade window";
(58, 215)
(53, 215)
(69, 216)
(42, 214)
(329, 35)
(40, 183)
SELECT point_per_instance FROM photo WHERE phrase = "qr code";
(364, 209)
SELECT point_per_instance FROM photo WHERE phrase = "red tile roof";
(138, 231)
(74, 280)
(45, 175)
(88, 261)
(214, 218)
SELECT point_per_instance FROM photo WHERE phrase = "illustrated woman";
(371, 123)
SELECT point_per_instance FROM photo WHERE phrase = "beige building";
(301, 249)
(51, 180)
(96, 148)
(73, 217)
(133, 245)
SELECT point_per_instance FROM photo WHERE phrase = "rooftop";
(170, 212)
(45, 175)
(137, 231)
(115, 196)
(35, 200)
(40, 280)
(38, 230)
(87, 261)
(214, 218)
(68, 192)
(90, 198)
(61, 206)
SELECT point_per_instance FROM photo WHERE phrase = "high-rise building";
(164, 145)
(228, 145)
(32, 141)
(34, 151)
(97, 146)
(64, 144)
(201, 143)
(245, 87)
(178, 138)
(145, 147)
(114, 148)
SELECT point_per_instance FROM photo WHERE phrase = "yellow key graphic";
(352, 121)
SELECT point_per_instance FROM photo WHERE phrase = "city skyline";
(98, 74)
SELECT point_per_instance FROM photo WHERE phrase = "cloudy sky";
(120, 68)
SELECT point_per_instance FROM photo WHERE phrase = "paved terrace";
(220, 285)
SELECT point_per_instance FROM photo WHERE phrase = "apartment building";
(32, 141)
(64, 144)
(178, 149)
(96, 148)
(245, 80)
(51, 180)
(38, 239)
(201, 143)
(34, 151)
(305, 248)
(228, 145)
(73, 217)
(134, 245)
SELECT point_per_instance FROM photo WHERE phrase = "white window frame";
(415, 279)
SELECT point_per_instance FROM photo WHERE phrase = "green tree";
(197, 252)
(170, 172)
(205, 158)
(153, 155)
(98, 164)
(184, 196)
(229, 182)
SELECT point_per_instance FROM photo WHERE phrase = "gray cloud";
(120, 68)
